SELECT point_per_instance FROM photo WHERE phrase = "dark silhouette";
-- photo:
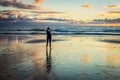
(48, 60)
(49, 37)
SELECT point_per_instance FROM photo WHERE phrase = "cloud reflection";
(85, 58)
(113, 59)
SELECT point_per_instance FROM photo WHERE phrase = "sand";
(72, 57)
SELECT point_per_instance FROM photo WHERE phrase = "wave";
(62, 30)
(60, 33)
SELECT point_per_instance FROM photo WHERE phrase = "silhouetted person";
(49, 37)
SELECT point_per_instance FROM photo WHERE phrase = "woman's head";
(48, 28)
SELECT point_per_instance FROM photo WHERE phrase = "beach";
(72, 57)
(59, 39)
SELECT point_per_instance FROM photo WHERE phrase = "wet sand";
(80, 57)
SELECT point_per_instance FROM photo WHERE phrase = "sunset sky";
(83, 10)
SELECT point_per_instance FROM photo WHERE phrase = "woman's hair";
(48, 28)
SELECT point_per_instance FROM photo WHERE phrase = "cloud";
(11, 12)
(55, 19)
(112, 6)
(86, 6)
(46, 12)
(39, 1)
(29, 14)
(117, 20)
(7, 12)
(114, 12)
(11, 15)
(19, 4)
(110, 13)
(3, 15)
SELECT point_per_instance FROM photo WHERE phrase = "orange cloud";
(37, 1)
(114, 12)
(3, 16)
(112, 6)
(111, 13)
(86, 6)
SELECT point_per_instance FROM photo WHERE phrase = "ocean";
(60, 29)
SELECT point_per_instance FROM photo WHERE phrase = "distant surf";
(62, 30)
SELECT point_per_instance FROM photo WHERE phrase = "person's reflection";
(48, 60)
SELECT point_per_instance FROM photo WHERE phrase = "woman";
(49, 37)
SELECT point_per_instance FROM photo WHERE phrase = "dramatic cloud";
(28, 14)
(18, 4)
(86, 6)
(112, 6)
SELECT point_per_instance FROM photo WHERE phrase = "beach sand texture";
(82, 57)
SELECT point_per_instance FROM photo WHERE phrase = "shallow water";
(25, 57)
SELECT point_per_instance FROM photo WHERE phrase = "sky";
(86, 9)
(78, 10)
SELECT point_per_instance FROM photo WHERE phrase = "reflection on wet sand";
(85, 58)
(48, 60)
(80, 58)
(38, 63)
(13, 58)
(113, 59)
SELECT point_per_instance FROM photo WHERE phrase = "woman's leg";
(47, 43)
(50, 42)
